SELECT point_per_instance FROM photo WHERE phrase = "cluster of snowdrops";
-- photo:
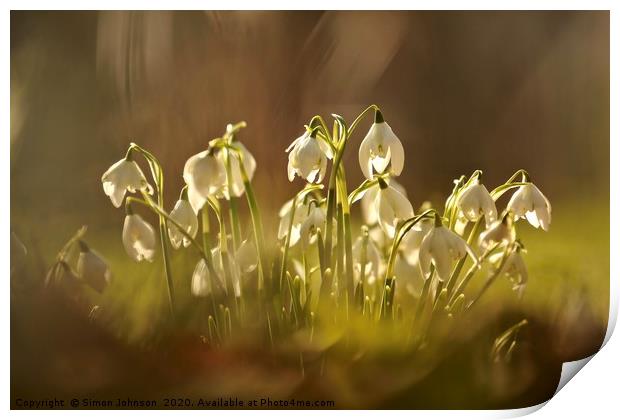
(399, 264)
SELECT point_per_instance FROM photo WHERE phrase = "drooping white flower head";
(204, 175)
(412, 240)
(381, 149)
(125, 175)
(442, 247)
(372, 258)
(499, 232)
(301, 212)
(392, 207)
(378, 236)
(235, 271)
(139, 238)
(237, 187)
(367, 203)
(92, 268)
(475, 202)
(184, 215)
(201, 280)
(307, 157)
(311, 225)
(246, 257)
(514, 268)
(529, 202)
(408, 276)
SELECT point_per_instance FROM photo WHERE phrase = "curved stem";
(155, 208)
(235, 226)
(491, 279)
(357, 120)
(398, 237)
(287, 241)
(257, 224)
(348, 242)
(499, 191)
(366, 185)
(158, 176)
(459, 266)
(470, 273)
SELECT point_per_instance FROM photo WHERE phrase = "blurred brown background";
(463, 90)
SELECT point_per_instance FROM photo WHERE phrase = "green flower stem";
(340, 247)
(148, 203)
(363, 262)
(499, 191)
(332, 194)
(65, 249)
(224, 256)
(357, 120)
(423, 297)
(459, 266)
(158, 176)
(287, 241)
(521, 172)
(206, 246)
(235, 225)
(470, 273)
(367, 184)
(492, 278)
(163, 235)
(331, 204)
(257, 224)
(348, 241)
(323, 127)
(401, 231)
(206, 233)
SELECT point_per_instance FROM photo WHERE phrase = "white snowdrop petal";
(201, 282)
(246, 257)
(93, 269)
(379, 149)
(139, 238)
(122, 176)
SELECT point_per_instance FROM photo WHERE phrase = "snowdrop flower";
(408, 277)
(92, 268)
(500, 232)
(138, 238)
(372, 260)
(184, 215)
(392, 207)
(125, 175)
(201, 280)
(369, 211)
(218, 266)
(307, 157)
(311, 225)
(460, 223)
(514, 268)
(529, 202)
(246, 257)
(301, 212)
(442, 247)
(235, 184)
(204, 175)
(381, 149)
(475, 201)
(411, 242)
